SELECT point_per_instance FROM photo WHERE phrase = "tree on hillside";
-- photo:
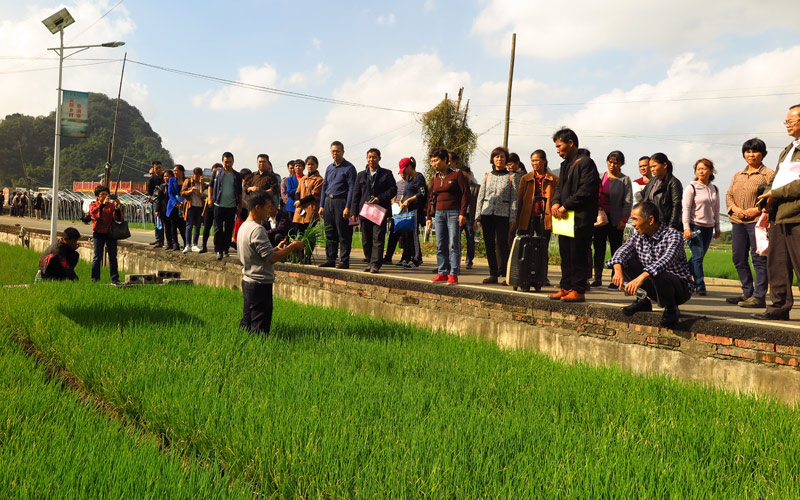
(446, 126)
(82, 159)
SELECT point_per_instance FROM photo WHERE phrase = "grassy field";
(337, 405)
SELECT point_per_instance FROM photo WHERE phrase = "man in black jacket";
(58, 262)
(577, 190)
(376, 185)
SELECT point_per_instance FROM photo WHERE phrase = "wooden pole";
(508, 96)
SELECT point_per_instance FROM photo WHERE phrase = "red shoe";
(452, 279)
(573, 296)
(439, 278)
(558, 294)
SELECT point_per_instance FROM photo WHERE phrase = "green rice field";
(334, 405)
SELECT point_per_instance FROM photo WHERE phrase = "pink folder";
(373, 212)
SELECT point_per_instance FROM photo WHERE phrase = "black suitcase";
(527, 263)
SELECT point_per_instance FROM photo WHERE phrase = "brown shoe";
(753, 303)
(558, 294)
(573, 296)
(490, 280)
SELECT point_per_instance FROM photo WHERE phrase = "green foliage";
(446, 126)
(336, 405)
(82, 159)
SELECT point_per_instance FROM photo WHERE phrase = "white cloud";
(316, 42)
(322, 71)
(430, 6)
(32, 81)
(231, 97)
(387, 20)
(555, 31)
(680, 120)
(413, 82)
(297, 79)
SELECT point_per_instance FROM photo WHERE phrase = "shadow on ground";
(116, 315)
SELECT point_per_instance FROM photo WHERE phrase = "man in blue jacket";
(375, 185)
(334, 208)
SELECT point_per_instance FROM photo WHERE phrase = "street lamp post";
(56, 24)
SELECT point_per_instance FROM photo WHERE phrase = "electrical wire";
(33, 70)
(272, 90)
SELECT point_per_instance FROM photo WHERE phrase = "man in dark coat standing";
(376, 185)
(577, 190)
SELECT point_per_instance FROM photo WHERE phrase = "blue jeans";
(743, 241)
(101, 242)
(699, 246)
(193, 220)
(448, 241)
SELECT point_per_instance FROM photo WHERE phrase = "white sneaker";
(195, 248)
(186, 249)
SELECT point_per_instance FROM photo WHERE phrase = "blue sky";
(625, 75)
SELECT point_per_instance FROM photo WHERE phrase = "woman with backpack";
(700, 218)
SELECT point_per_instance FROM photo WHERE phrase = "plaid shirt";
(662, 252)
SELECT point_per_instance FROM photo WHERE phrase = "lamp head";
(58, 21)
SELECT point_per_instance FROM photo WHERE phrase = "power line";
(97, 21)
(272, 90)
(56, 67)
(647, 101)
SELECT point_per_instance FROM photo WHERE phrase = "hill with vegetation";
(26, 146)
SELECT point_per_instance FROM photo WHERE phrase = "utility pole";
(508, 96)
(110, 159)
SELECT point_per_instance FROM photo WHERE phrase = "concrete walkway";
(711, 306)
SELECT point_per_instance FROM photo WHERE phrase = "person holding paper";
(576, 196)
(743, 214)
(783, 204)
(375, 186)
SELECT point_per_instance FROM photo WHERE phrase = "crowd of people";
(651, 264)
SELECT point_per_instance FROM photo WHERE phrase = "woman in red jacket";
(104, 212)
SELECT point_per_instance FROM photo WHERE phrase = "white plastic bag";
(762, 239)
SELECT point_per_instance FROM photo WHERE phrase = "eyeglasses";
(787, 123)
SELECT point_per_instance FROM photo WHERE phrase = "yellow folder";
(565, 227)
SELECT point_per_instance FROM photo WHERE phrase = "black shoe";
(737, 299)
(772, 316)
(343, 266)
(365, 260)
(219, 255)
(327, 264)
(154, 242)
(596, 284)
(368, 269)
(203, 250)
(612, 287)
(670, 317)
(703, 293)
(387, 260)
(639, 305)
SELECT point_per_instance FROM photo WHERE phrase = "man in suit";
(374, 185)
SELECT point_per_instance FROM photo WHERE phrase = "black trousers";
(495, 237)
(168, 229)
(338, 233)
(411, 249)
(666, 288)
(223, 228)
(177, 225)
(372, 238)
(575, 257)
(601, 235)
(394, 239)
(257, 310)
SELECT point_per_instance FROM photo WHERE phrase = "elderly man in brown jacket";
(783, 204)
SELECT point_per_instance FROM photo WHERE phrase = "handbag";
(405, 223)
(118, 230)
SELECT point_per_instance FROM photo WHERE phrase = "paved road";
(711, 306)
